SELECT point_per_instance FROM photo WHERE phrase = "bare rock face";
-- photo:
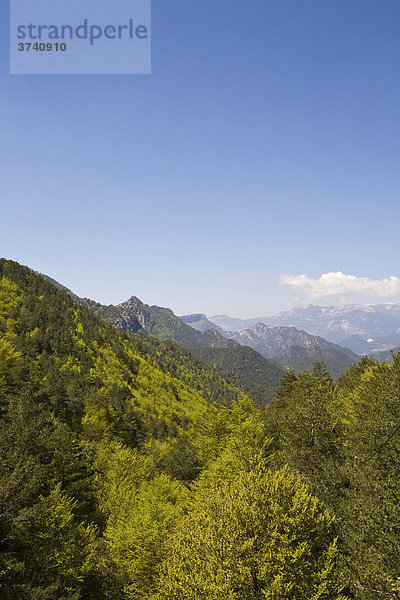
(132, 311)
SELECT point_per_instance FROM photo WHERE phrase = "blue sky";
(266, 142)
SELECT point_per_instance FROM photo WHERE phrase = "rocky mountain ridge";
(334, 323)
(271, 341)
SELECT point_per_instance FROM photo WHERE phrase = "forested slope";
(240, 365)
(246, 368)
(82, 405)
(130, 470)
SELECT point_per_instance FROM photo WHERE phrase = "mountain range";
(288, 347)
(242, 366)
(271, 341)
(253, 358)
(332, 322)
(364, 329)
(254, 353)
(294, 349)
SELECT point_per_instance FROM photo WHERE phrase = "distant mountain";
(295, 349)
(368, 346)
(233, 324)
(386, 355)
(242, 366)
(334, 323)
(360, 344)
(272, 341)
(200, 322)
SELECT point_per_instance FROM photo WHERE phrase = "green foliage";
(345, 441)
(137, 532)
(244, 446)
(10, 299)
(371, 520)
(99, 425)
(306, 422)
(59, 542)
(129, 469)
(261, 535)
(240, 365)
(246, 368)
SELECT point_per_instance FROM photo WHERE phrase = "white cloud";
(340, 284)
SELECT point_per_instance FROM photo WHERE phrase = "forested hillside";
(246, 368)
(131, 470)
(239, 365)
(301, 359)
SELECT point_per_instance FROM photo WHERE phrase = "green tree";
(261, 535)
(306, 421)
(370, 513)
(61, 543)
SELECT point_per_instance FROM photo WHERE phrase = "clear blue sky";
(266, 142)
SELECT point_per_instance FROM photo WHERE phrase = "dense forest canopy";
(129, 469)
